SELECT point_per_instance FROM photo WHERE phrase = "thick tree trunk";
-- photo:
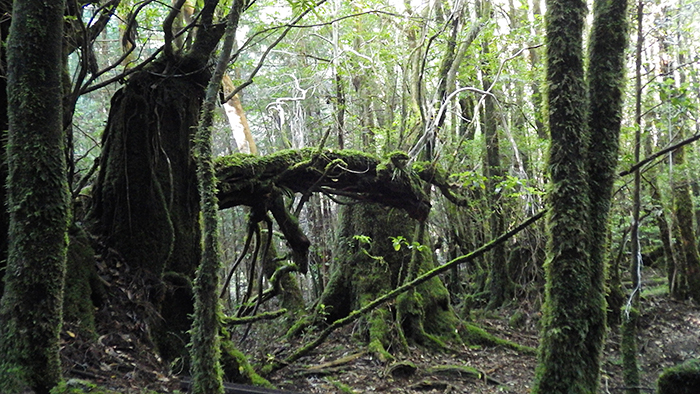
(31, 306)
(567, 362)
(146, 204)
(145, 200)
(573, 323)
(368, 265)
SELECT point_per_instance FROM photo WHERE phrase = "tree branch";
(255, 71)
(660, 153)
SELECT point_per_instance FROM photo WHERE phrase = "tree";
(377, 252)
(146, 202)
(30, 310)
(205, 350)
(583, 157)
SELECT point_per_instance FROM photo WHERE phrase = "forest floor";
(669, 334)
(121, 358)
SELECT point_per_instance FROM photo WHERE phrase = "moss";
(299, 326)
(237, 369)
(249, 180)
(461, 371)
(517, 319)
(342, 387)
(474, 335)
(82, 285)
(680, 379)
(380, 336)
(629, 350)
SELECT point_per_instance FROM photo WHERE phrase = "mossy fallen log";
(255, 180)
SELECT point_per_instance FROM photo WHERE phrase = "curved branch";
(168, 28)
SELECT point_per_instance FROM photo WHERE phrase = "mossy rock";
(680, 379)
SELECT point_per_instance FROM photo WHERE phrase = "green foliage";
(399, 241)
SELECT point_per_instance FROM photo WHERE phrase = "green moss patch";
(680, 379)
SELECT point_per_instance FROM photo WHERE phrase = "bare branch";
(660, 153)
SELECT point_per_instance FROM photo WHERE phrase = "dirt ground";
(122, 359)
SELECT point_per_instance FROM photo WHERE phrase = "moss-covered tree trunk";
(145, 200)
(687, 279)
(5, 9)
(369, 265)
(146, 205)
(567, 362)
(582, 161)
(30, 310)
(205, 344)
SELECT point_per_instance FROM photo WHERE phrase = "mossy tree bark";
(145, 201)
(368, 265)
(146, 204)
(687, 278)
(565, 361)
(5, 9)
(583, 157)
(205, 342)
(30, 310)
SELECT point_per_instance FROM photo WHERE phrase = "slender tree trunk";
(629, 348)
(206, 369)
(500, 285)
(30, 310)
(535, 63)
(5, 9)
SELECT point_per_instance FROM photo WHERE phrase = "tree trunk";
(500, 284)
(687, 281)
(566, 363)
(37, 189)
(145, 201)
(5, 9)
(573, 322)
(369, 265)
